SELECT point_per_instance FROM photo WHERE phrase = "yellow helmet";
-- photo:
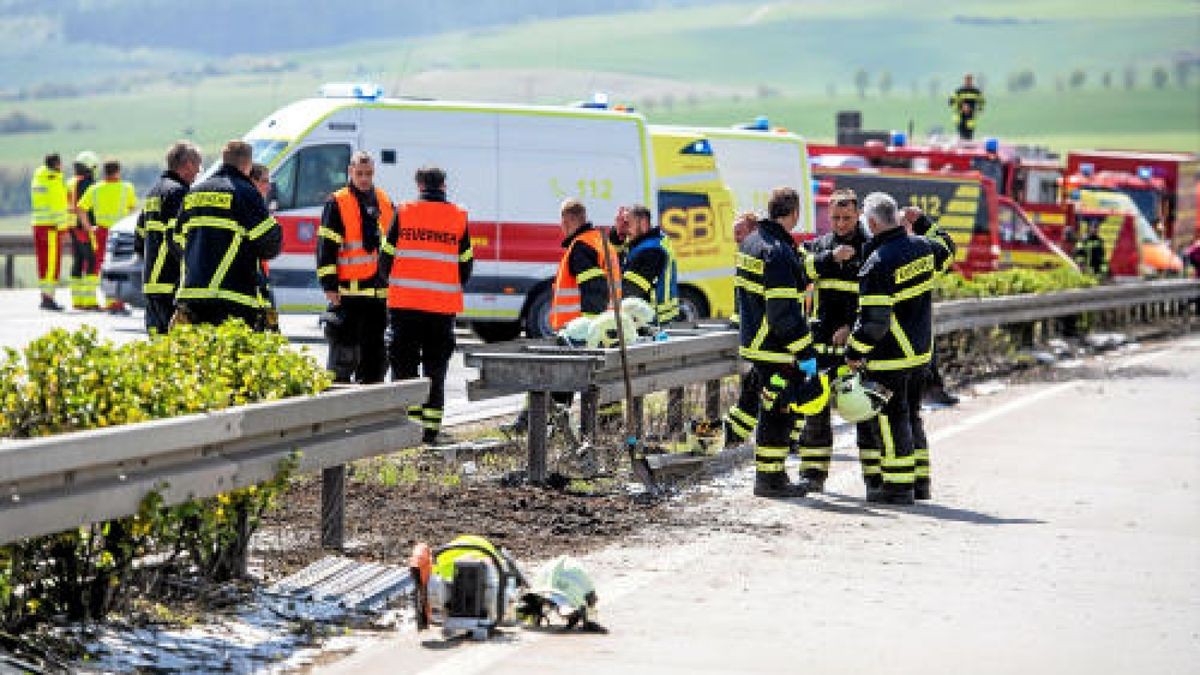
(858, 401)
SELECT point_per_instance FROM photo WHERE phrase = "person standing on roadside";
(99, 209)
(48, 199)
(83, 241)
(967, 102)
(156, 238)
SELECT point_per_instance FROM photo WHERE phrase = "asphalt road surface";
(1064, 537)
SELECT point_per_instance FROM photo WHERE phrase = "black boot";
(921, 489)
(939, 396)
(873, 481)
(891, 493)
(48, 303)
(815, 479)
(777, 486)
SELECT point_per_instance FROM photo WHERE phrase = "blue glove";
(808, 367)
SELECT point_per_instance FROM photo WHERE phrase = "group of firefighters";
(81, 212)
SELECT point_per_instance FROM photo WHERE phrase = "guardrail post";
(712, 400)
(589, 406)
(675, 410)
(538, 400)
(10, 273)
(333, 507)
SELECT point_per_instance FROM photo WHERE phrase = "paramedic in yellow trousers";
(109, 200)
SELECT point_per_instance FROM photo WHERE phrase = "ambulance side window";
(309, 176)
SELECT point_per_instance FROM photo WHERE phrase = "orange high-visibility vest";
(424, 274)
(566, 301)
(354, 262)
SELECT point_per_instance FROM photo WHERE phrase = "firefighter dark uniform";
(352, 231)
(226, 232)
(967, 103)
(651, 273)
(835, 304)
(1090, 256)
(428, 259)
(48, 198)
(743, 415)
(156, 241)
(581, 284)
(83, 245)
(774, 337)
(893, 334)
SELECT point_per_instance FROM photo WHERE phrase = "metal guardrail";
(13, 244)
(955, 315)
(59, 482)
(688, 356)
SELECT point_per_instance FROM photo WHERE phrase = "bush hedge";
(68, 381)
(1010, 282)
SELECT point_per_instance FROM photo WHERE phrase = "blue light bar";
(991, 145)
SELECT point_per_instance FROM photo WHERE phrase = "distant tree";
(1077, 78)
(1106, 79)
(1022, 80)
(1130, 78)
(1159, 77)
(861, 80)
(1183, 72)
(885, 83)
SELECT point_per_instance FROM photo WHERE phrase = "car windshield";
(265, 150)
(1119, 201)
(1146, 200)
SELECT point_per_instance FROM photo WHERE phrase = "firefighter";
(649, 271)
(227, 232)
(156, 236)
(580, 285)
(48, 198)
(83, 241)
(775, 339)
(260, 175)
(108, 201)
(355, 221)
(743, 416)
(892, 338)
(428, 259)
(831, 265)
(1089, 252)
(967, 102)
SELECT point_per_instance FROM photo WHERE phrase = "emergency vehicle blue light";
(991, 144)
(760, 123)
(898, 139)
(1087, 169)
(1145, 172)
(700, 147)
(816, 186)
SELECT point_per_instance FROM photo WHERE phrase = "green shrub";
(67, 381)
(1010, 282)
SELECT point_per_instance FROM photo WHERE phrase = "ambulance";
(509, 166)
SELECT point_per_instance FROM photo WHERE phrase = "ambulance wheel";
(692, 305)
(537, 315)
(497, 331)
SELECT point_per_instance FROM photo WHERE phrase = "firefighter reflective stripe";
(876, 300)
(899, 364)
(835, 350)
(748, 285)
(218, 294)
(901, 338)
(740, 423)
(424, 274)
(467, 255)
(855, 344)
(921, 455)
(354, 288)
(213, 221)
(869, 458)
(770, 459)
(761, 356)
(261, 229)
(638, 280)
(327, 269)
(425, 285)
(326, 233)
(836, 285)
(810, 268)
(799, 343)
(566, 299)
(784, 294)
(815, 458)
(916, 291)
(895, 469)
(152, 286)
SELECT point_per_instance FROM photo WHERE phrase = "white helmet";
(89, 159)
(639, 312)
(856, 400)
(604, 330)
(575, 333)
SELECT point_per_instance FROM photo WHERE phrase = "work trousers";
(899, 426)
(743, 416)
(160, 307)
(358, 354)
(83, 261)
(772, 436)
(424, 341)
(45, 248)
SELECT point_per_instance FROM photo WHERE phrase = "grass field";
(798, 49)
